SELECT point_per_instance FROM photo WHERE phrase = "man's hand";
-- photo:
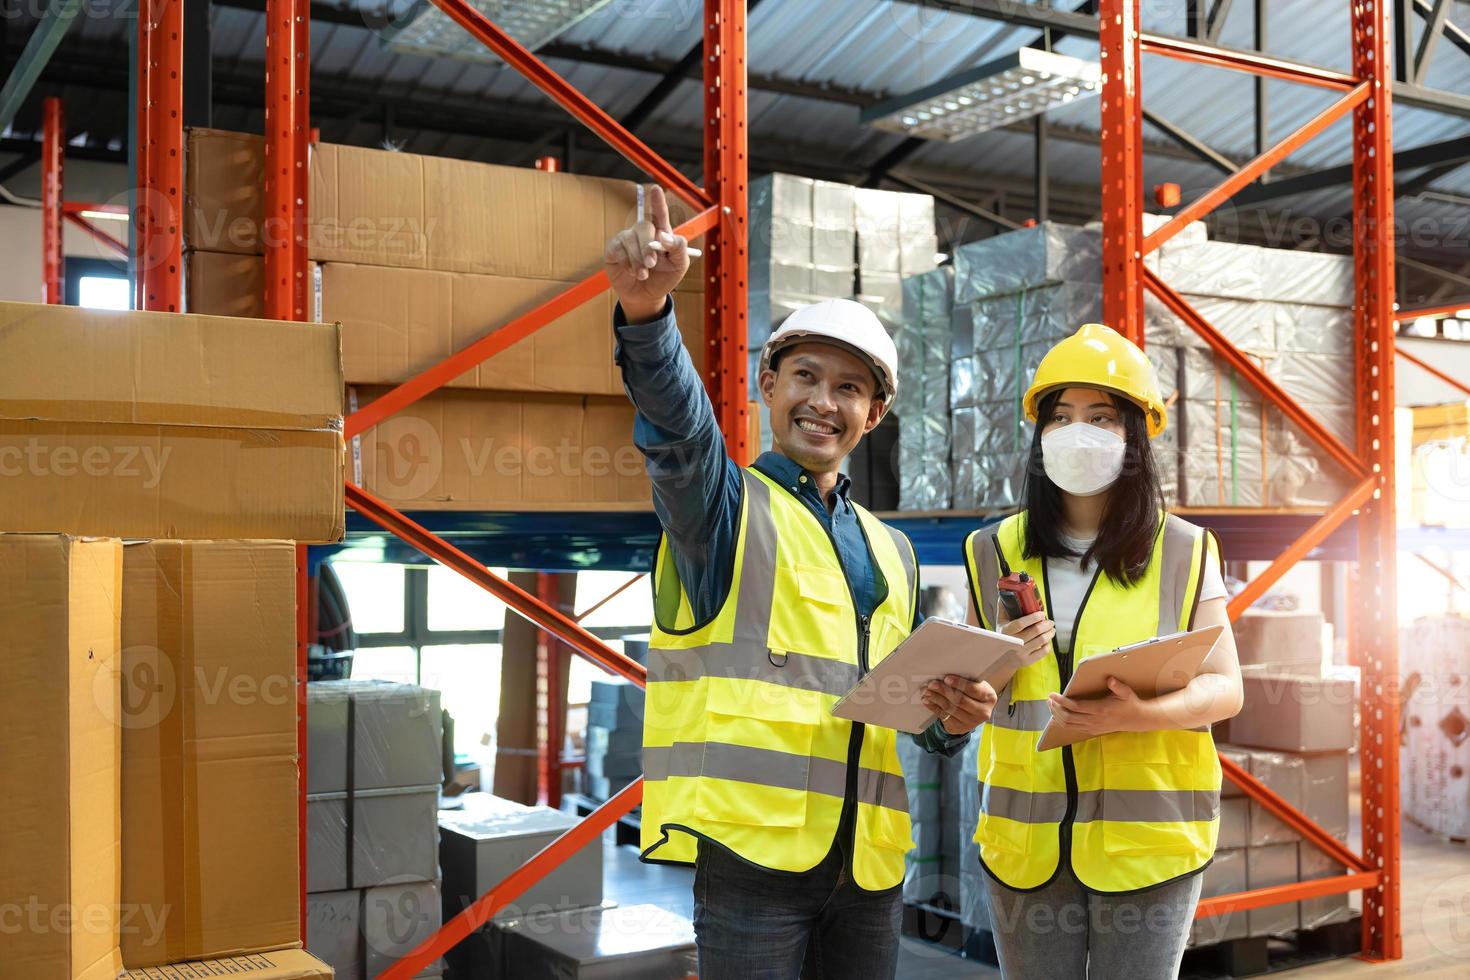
(645, 262)
(961, 705)
(1120, 710)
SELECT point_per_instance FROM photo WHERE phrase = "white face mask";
(1082, 459)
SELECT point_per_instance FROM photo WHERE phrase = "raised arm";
(696, 486)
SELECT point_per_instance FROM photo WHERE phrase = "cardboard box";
(1226, 875)
(396, 738)
(209, 797)
(59, 751)
(399, 322)
(482, 450)
(1294, 713)
(1280, 639)
(284, 964)
(1274, 864)
(379, 207)
(371, 838)
(157, 425)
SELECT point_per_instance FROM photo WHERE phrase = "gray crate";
(334, 931)
(393, 835)
(637, 942)
(396, 918)
(397, 738)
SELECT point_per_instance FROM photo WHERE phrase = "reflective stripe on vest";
(1130, 809)
(740, 746)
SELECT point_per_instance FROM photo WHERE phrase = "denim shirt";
(697, 486)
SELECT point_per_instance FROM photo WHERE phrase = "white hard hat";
(846, 323)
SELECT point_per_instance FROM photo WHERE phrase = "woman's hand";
(1120, 710)
(1036, 631)
(961, 705)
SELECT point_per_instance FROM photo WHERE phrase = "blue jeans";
(755, 924)
(1063, 932)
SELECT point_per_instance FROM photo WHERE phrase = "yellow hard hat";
(1097, 356)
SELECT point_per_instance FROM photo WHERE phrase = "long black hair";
(1130, 518)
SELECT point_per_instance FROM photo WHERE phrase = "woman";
(1093, 851)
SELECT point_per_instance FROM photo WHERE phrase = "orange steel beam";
(159, 195)
(1425, 365)
(725, 169)
(1281, 894)
(1302, 546)
(493, 343)
(1256, 64)
(1449, 309)
(285, 170)
(1247, 174)
(1244, 366)
(1122, 170)
(1292, 817)
(1374, 618)
(560, 625)
(101, 236)
(457, 929)
(569, 98)
(53, 262)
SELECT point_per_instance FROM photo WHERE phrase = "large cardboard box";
(484, 450)
(160, 425)
(1290, 642)
(382, 208)
(284, 964)
(59, 753)
(210, 825)
(1294, 713)
(398, 322)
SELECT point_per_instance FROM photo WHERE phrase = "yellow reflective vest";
(739, 744)
(1129, 810)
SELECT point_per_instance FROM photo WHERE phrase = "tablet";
(891, 694)
(1153, 667)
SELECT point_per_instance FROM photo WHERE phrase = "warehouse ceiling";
(813, 65)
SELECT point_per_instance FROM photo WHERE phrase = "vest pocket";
(756, 767)
(1145, 806)
(1007, 806)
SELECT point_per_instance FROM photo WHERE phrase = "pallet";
(938, 922)
(1258, 955)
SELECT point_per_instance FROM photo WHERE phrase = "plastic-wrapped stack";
(1291, 312)
(974, 899)
(374, 767)
(614, 738)
(924, 878)
(923, 403)
(895, 241)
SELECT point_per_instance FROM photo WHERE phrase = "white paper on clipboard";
(891, 694)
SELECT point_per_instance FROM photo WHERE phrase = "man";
(774, 592)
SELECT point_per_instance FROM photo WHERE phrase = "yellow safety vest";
(1130, 810)
(739, 743)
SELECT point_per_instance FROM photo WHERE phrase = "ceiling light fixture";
(1013, 88)
(531, 22)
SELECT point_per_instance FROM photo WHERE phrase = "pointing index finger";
(658, 209)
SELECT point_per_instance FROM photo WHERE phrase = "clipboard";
(1159, 666)
(891, 694)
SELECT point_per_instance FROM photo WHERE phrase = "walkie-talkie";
(1018, 595)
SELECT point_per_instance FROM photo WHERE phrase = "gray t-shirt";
(1068, 582)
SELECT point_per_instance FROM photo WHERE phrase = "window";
(374, 595)
(103, 293)
(455, 603)
(467, 677)
(397, 664)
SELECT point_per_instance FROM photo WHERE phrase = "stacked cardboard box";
(614, 738)
(373, 773)
(1436, 754)
(176, 763)
(925, 391)
(419, 257)
(895, 241)
(483, 843)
